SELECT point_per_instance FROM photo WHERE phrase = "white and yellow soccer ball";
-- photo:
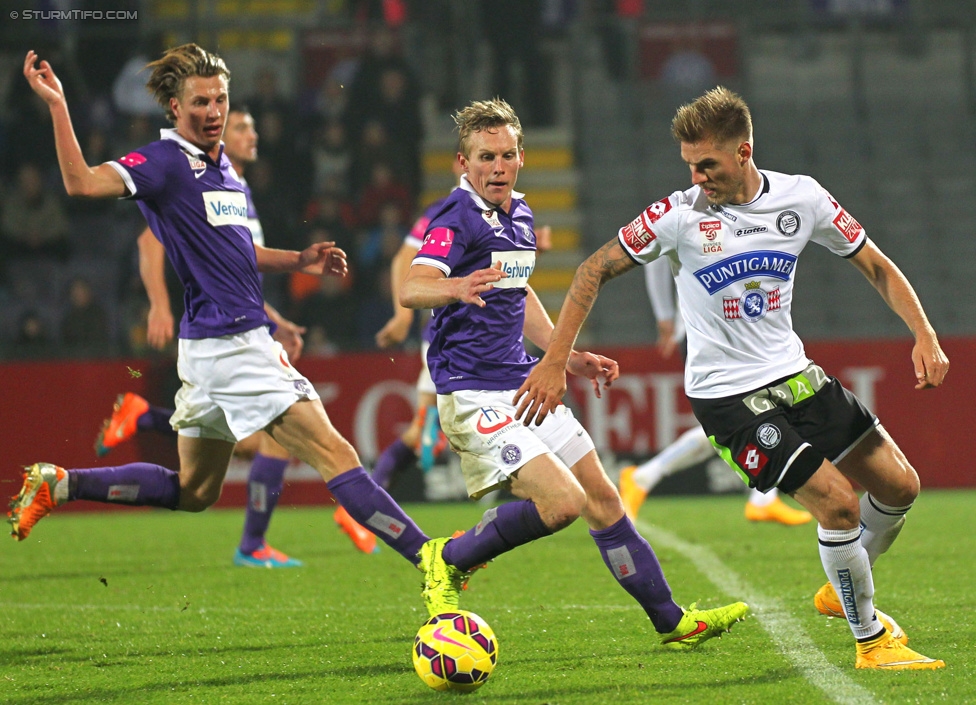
(455, 651)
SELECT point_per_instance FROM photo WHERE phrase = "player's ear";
(744, 152)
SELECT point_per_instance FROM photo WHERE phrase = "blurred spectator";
(688, 71)
(396, 107)
(317, 343)
(383, 190)
(330, 101)
(32, 341)
(331, 155)
(30, 136)
(135, 131)
(325, 303)
(365, 93)
(129, 94)
(520, 73)
(84, 324)
(377, 245)
(374, 147)
(274, 203)
(33, 222)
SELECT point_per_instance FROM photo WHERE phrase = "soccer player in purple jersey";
(473, 269)
(236, 379)
(269, 460)
(775, 417)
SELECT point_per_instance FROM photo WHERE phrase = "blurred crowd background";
(352, 101)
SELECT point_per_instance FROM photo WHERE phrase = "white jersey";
(734, 267)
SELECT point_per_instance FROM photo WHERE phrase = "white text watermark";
(74, 15)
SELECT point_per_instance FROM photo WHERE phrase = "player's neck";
(750, 186)
(238, 166)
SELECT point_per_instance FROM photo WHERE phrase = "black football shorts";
(780, 434)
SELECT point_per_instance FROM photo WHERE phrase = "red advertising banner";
(52, 411)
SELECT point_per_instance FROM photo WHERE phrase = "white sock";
(61, 491)
(759, 499)
(690, 448)
(846, 563)
(880, 525)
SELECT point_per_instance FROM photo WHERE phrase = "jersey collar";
(465, 185)
(170, 133)
(763, 190)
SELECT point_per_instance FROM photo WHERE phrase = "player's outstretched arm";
(322, 258)
(429, 287)
(398, 327)
(79, 179)
(545, 386)
(931, 363)
(152, 271)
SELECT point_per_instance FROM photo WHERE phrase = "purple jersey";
(199, 211)
(472, 347)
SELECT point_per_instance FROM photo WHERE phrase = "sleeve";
(835, 228)
(415, 238)
(642, 237)
(144, 172)
(660, 289)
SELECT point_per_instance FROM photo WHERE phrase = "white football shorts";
(482, 429)
(425, 385)
(235, 385)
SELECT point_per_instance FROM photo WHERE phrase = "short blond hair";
(718, 115)
(170, 71)
(485, 115)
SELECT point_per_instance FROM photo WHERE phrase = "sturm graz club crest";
(753, 305)
(788, 222)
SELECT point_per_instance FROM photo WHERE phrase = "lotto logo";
(847, 225)
(656, 210)
(752, 460)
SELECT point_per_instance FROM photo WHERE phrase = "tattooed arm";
(545, 386)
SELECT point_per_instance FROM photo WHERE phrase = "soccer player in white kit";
(693, 446)
(774, 416)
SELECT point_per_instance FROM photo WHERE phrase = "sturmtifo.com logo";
(111, 15)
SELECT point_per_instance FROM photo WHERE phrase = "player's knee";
(565, 508)
(841, 513)
(905, 489)
(198, 499)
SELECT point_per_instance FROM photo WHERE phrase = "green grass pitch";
(145, 607)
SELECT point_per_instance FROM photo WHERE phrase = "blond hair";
(718, 115)
(169, 72)
(485, 115)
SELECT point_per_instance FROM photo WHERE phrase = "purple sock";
(393, 460)
(138, 484)
(156, 418)
(501, 529)
(264, 485)
(631, 559)
(371, 506)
